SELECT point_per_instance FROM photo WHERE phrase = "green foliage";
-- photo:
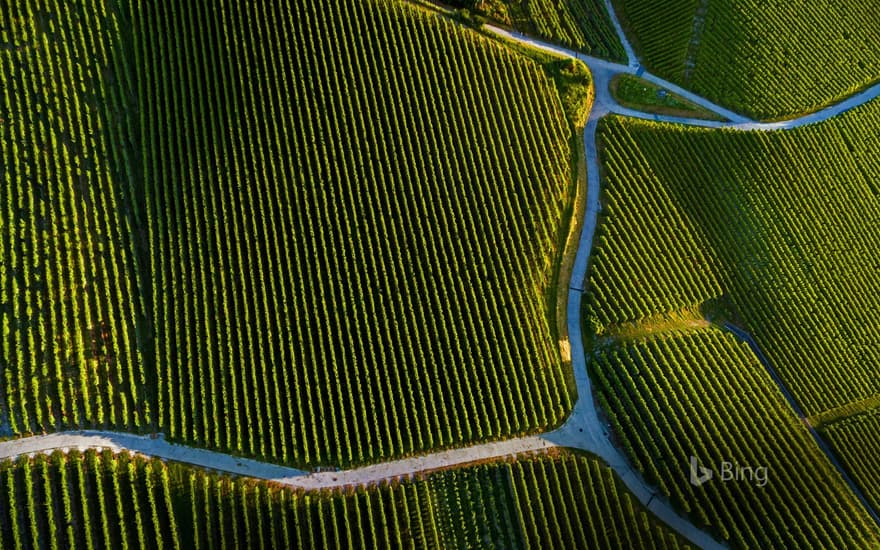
(69, 269)
(583, 25)
(853, 408)
(705, 394)
(784, 224)
(577, 501)
(660, 33)
(574, 82)
(779, 58)
(320, 231)
(348, 264)
(646, 257)
(637, 93)
(465, 16)
(103, 500)
(856, 441)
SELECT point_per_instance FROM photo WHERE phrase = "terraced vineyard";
(70, 352)
(320, 298)
(786, 224)
(856, 441)
(104, 501)
(704, 394)
(584, 25)
(779, 58)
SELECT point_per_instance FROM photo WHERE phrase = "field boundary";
(690, 61)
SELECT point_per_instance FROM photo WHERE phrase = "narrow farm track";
(604, 104)
(582, 430)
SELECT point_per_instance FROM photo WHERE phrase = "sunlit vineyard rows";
(705, 394)
(856, 441)
(584, 25)
(779, 58)
(101, 500)
(790, 223)
(70, 303)
(199, 245)
(660, 32)
(557, 501)
(354, 214)
(670, 269)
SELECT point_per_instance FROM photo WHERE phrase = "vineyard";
(103, 500)
(325, 299)
(70, 353)
(646, 258)
(331, 232)
(856, 441)
(637, 93)
(704, 394)
(580, 24)
(781, 227)
(779, 58)
(660, 33)
(580, 503)
(198, 245)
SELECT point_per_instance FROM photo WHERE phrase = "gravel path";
(604, 70)
(632, 60)
(582, 430)
(145, 445)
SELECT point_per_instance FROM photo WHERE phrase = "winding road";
(582, 430)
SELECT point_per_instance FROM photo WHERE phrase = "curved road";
(582, 430)
(604, 70)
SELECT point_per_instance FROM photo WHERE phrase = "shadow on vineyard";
(766, 60)
(337, 234)
(347, 265)
(583, 25)
(127, 115)
(758, 228)
(73, 312)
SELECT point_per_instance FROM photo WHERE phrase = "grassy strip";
(637, 93)
(871, 405)
(690, 318)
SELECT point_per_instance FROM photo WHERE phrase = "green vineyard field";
(339, 233)
(660, 33)
(71, 351)
(352, 238)
(856, 441)
(704, 394)
(646, 258)
(313, 251)
(780, 228)
(584, 25)
(92, 500)
(765, 59)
